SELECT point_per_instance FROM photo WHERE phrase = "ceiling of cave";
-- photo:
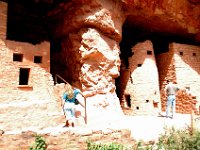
(28, 22)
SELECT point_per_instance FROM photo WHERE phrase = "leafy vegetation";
(175, 140)
(100, 146)
(171, 140)
(39, 144)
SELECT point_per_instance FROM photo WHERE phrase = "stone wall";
(187, 66)
(166, 69)
(143, 84)
(39, 77)
(15, 56)
(27, 96)
(181, 65)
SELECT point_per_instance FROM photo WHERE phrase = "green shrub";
(180, 140)
(40, 143)
(100, 146)
(175, 140)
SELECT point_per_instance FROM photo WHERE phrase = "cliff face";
(90, 32)
(179, 16)
(90, 38)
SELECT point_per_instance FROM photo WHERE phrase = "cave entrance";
(136, 30)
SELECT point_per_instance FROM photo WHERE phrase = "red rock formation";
(88, 34)
(91, 32)
(177, 16)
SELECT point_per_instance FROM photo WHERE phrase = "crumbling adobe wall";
(166, 69)
(187, 66)
(181, 65)
(143, 84)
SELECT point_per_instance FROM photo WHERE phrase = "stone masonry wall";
(179, 66)
(166, 69)
(143, 85)
(25, 104)
(187, 66)
(39, 78)
(39, 73)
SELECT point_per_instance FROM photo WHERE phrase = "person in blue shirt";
(71, 96)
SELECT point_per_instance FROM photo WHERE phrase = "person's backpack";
(76, 92)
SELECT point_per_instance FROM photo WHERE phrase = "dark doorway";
(24, 76)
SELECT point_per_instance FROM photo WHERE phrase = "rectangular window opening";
(128, 100)
(17, 57)
(194, 54)
(139, 65)
(38, 59)
(181, 53)
(149, 52)
(24, 76)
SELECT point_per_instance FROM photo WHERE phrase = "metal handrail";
(56, 76)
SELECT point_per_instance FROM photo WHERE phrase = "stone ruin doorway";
(159, 39)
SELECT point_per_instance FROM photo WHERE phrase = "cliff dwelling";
(119, 53)
(148, 59)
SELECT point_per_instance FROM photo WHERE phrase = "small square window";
(181, 53)
(149, 52)
(17, 57)
(139, 65)
(38, 59)
(194, 54)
